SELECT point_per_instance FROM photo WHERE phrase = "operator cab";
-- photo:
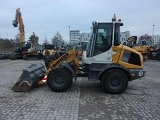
(26, 45)
(103, 37)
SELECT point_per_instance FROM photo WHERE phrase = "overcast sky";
(46, 17)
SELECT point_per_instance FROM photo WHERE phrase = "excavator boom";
(26, 49)
(19, 22)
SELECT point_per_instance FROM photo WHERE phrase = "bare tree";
(146, 38)
(8, 43)
(45, 41)
(57, 39)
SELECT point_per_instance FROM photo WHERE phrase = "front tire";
(115, 81)
(60, 79)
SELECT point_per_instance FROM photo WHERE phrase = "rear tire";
(115, 81)
(60, 79)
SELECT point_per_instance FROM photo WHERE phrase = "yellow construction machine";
(51, 52)
(48, 47)
(143, 48)
(47, 53)
(152, 51)
(25, 49)
(105, 59)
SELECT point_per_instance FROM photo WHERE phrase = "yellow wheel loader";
(147, 51)
(142, 48)
(50, 53)
(48, 48)
(105, 60)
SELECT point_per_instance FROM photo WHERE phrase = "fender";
(69, 67)
(108, 67)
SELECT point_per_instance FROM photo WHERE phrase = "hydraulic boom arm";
(68, 57)
(19, 21)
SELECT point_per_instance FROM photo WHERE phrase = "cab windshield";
(101, 38)
(26, 45)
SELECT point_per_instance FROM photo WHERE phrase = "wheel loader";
(48, 47)
(148, 51)
(142, 48)
(105, 60)
(51, 52)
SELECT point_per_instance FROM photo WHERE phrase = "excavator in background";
(26, 49)
(105, 59)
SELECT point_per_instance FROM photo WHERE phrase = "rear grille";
(131, 58)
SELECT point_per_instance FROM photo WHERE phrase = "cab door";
(102, 44)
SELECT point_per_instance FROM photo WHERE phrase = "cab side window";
(101, 43)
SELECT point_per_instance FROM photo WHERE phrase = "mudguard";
(71, 69)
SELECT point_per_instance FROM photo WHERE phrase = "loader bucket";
(30, 78)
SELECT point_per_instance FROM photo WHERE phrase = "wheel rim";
(59, 80)
(115, 82)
